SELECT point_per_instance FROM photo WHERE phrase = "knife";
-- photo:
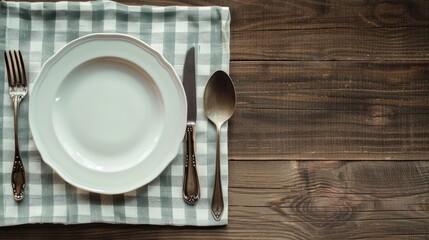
(191, 184)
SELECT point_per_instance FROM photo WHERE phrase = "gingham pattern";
(41, 29)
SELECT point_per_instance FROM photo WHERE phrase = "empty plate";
(107, 113)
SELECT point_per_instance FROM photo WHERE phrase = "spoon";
(219, 105)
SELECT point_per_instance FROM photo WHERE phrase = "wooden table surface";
(318, 83)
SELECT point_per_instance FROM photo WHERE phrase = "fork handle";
(18, 179)
(18, 172)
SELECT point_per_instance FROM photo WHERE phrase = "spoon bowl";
(219, 105)
(219, 98)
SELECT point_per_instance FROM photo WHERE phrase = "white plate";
(107, 113)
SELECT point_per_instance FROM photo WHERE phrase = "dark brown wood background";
(316, 80)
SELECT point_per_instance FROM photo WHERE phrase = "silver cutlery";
(191, 184)
(219, 105)
(17, 80)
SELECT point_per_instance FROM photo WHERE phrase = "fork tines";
(15, 67)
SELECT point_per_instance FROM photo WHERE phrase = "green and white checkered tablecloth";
(41, 29)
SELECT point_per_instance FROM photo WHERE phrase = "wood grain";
(318, 110)
(352, 44)
(335, 199)
(320, 14)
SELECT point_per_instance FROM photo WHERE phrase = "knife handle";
(191, 184)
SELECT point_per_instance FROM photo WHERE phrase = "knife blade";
(191, 185)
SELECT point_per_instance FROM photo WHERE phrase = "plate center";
(108, 114)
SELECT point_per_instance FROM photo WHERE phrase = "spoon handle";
(217, 199)
(191, 184)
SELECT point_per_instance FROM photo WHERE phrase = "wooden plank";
(357, 44)
(364, 186)
(297, 14)
(321, 110)
(335, 85)
(334, 226)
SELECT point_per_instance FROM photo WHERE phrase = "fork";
(17, 80)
